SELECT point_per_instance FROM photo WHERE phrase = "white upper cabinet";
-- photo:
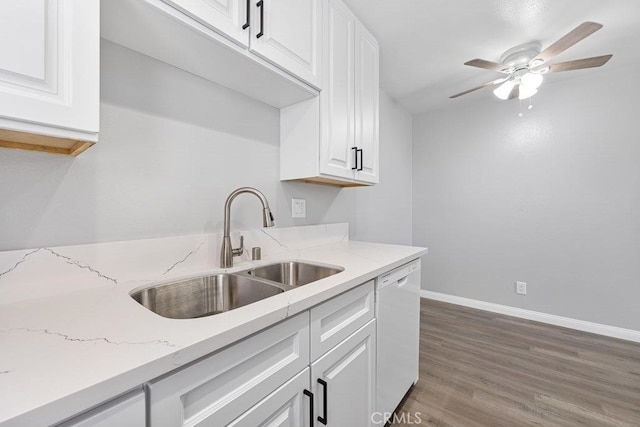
(336, 142)
(210, 39)
(287, 33)
(367, 105)
(337, 151)
(228, 17)
(49, 74)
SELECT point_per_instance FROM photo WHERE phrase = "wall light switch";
(298, 208)
(521, 288)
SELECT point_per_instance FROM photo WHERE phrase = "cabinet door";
(367, 102)
(349, 373)
(288, 34)
(126, 411)
(49, 64)
(287, 406)
(337, 96)
(220, 388)
(228, 17)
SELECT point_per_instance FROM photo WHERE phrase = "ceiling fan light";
(527, 92)
(532, 80)
(504, 90)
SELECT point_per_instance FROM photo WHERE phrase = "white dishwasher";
(398, 335)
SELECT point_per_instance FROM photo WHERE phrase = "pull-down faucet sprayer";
(228, 252)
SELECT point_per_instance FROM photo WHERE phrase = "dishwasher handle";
(400, 283)
(400, 274)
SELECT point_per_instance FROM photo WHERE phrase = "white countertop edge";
(297, 300)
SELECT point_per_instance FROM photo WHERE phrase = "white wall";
(552, 199)
(172, 147)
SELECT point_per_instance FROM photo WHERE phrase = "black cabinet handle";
(246, 24)
(355, 158)
(260, 4)
(308, 393)
(323, 419)
(361, 158)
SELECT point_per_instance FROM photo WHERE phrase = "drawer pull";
(355, 158)
(308, 393)
(260, 4)
(323, 419)
(246, 24)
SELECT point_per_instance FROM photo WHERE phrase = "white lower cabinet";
(342, 387)
(218, 389)
(344, 380)
(316, 368)
(125, 411)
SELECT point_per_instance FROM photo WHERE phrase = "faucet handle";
(239, 251)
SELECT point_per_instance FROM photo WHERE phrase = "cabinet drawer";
(220, 388)
(336, 319)
(287, 406)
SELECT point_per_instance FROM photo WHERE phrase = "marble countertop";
(72, 337)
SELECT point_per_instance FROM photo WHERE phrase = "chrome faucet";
(228, 252)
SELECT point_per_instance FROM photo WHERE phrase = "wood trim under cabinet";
(43, 143)
(328, 181)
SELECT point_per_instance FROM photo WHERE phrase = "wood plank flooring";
(484, 369)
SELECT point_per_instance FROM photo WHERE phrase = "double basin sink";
(208, 295)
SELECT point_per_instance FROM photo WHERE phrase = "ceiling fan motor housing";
(518, 57)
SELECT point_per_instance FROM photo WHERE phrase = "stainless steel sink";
(204, 296)
(213, 294)
(294, 273)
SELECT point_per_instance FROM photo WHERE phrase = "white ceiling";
(424, 43)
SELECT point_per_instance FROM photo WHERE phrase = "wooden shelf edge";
(79, 147)
(42, 143)
(327, 181)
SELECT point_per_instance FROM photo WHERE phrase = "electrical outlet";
(298, 208)
(521, 288)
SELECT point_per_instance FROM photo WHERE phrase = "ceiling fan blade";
(515, 92)
(494, 82)
(596, 61)
(574, 36)
(487, 65)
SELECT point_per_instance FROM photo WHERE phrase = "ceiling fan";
(525, 64)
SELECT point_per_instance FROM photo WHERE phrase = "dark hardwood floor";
(484, 369)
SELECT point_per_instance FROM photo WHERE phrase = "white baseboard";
(580, 325)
